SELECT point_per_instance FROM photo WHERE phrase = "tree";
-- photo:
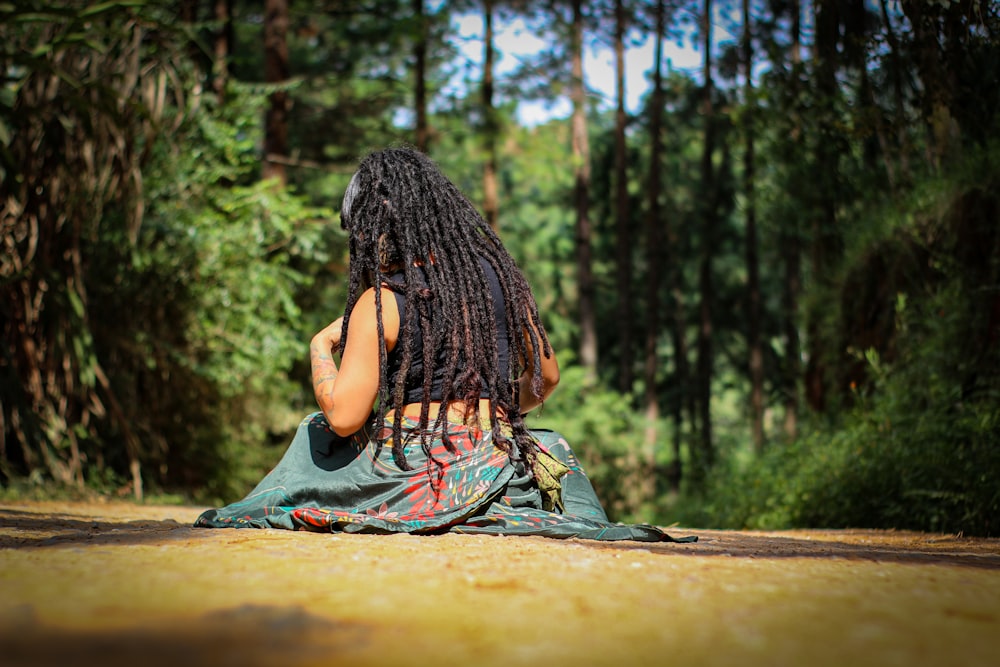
(825, 237)
(654, 260)
(222, 45)
(420, 75)
(491, 204)
(623, 226)
(789, 242)
(756, 353)
(581, 190)
(706, 291)
(276, 72)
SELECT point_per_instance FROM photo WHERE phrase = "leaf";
(107, 6)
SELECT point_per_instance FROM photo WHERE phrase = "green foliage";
(80, 115)
(916, 445)
(908, 459)
(229, 261)
(350, 82)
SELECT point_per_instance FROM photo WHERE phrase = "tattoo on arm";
(324, 375)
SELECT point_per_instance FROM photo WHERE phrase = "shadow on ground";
(27, 528)
(864, 545)
(248, 636)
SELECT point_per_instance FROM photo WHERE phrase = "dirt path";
(117, 584)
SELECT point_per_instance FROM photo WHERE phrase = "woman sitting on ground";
(442, 350)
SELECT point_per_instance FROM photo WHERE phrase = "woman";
(421, 427)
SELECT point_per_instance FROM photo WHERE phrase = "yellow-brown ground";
(119, 584)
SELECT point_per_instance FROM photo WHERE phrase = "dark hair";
(404, 214)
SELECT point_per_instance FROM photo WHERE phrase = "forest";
(773, 287)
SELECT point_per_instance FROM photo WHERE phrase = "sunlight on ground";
(122, 584)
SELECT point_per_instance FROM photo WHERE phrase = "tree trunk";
(756, 360)
(581, 161)
(654, 263)
(491, 204)
(623, 231)
(791, 254)
(705, 279)
(420, 76)
(222, 44)
(684, 399)
(276, 70)
(825, 241)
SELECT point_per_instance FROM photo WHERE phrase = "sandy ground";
(119, 584)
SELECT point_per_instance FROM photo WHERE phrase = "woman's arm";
(346, 395)
(550, 372)
(324, 368)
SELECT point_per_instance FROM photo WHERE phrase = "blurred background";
(763, 235)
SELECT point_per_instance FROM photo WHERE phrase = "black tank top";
(413, 387)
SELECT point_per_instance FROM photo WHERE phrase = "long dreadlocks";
(403, 213)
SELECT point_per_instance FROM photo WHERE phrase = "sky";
(514, 41)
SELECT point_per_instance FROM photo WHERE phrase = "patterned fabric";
(328, 483)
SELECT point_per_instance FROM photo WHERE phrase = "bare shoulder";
(365, 315)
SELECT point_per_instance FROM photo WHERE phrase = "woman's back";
(414, 381)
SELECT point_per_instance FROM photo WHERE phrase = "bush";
(917, 447)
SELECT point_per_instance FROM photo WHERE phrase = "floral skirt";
(326, 482)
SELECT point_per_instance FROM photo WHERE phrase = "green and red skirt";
(326, 482)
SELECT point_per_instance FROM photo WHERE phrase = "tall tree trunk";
(756, 360)
(623, 236)
(491, 204)
(684, 398)
(825, 241)
(222, 44)
(791, 253)
(420, 76)
(654, 262)
(706, 288)
(276, 70)
(581, 160)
